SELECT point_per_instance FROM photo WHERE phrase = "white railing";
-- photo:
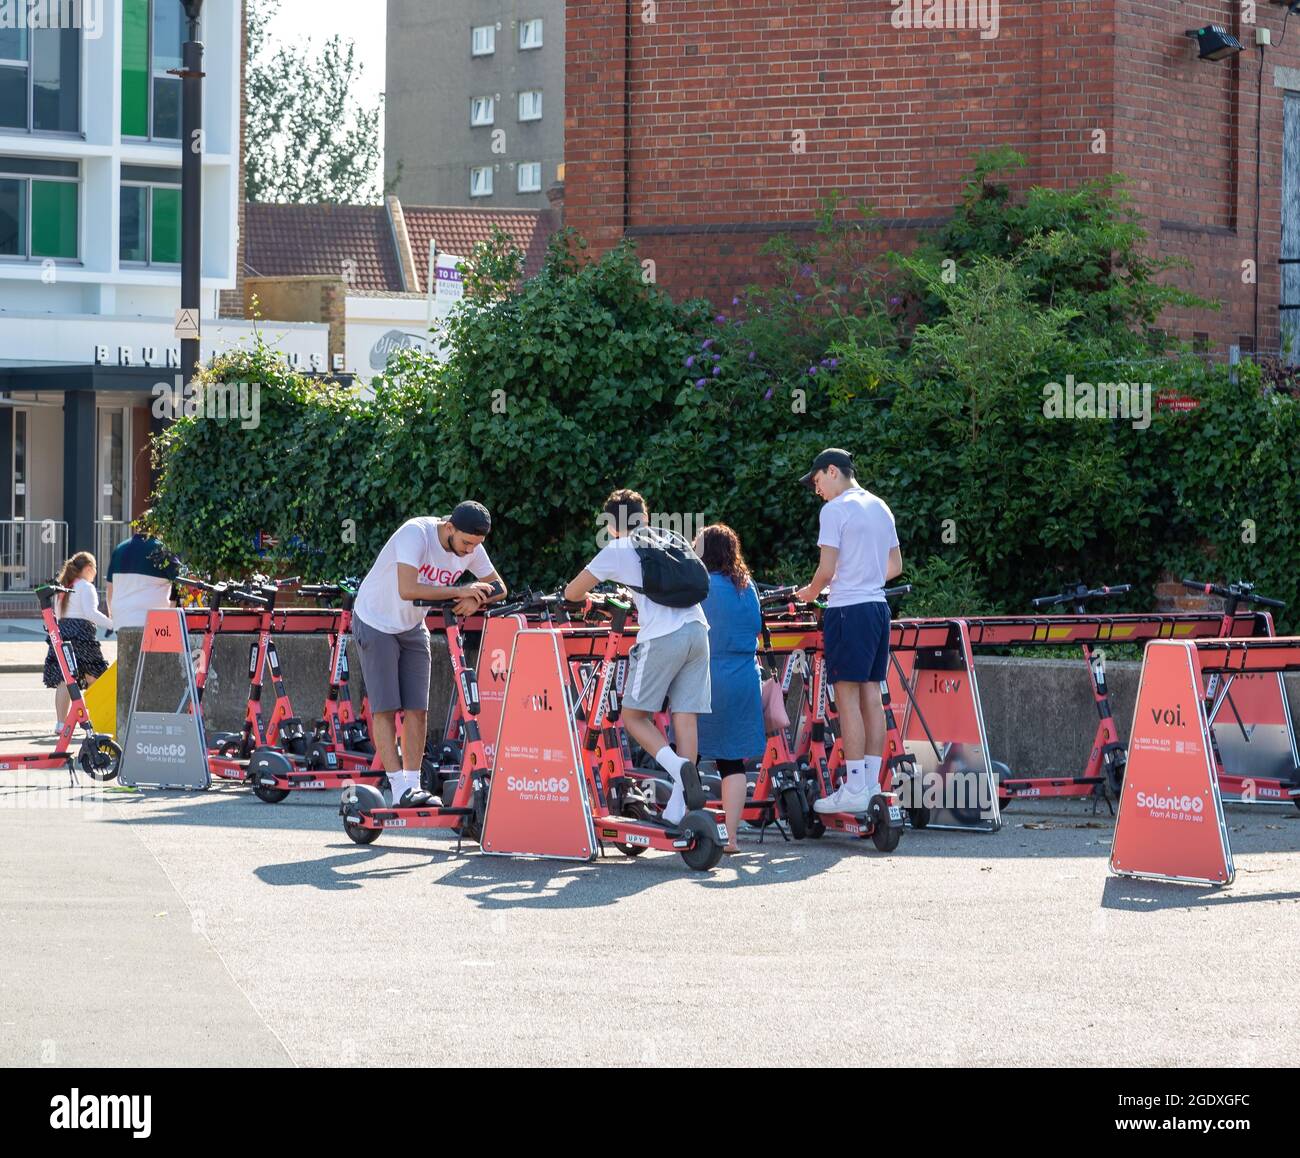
(107, 536)
(31, 553)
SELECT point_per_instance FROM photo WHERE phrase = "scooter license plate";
(722, 832)
(895, 814)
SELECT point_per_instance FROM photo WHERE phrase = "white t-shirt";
(861, 527)
(620, 562)
(134, 596)
(415, 543)
(83, 603)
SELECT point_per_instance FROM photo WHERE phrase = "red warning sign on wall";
(537, 798)
(1170, 823)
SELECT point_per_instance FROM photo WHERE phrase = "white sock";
(872, 764)
(675, 809)
(857, 778)
(399, 782)
(671, 763)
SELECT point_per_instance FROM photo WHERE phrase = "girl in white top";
(79, 622)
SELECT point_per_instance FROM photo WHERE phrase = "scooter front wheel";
(100, 758)
(359, 833)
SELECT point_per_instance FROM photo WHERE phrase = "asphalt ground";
(214, 929)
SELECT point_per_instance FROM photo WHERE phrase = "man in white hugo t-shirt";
(421, 560)
(859, 555)
(670, 659)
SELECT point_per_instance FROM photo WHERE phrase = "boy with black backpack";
(670, 659)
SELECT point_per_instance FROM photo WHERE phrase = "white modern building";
(90, 158)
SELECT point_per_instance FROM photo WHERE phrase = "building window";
(149, 225)
(530, 177)
(530, 105)
(40, 79)
(482, 110)
(483, 40)
(39, 206)
(152, 34)
(530, 34)
(480, 181)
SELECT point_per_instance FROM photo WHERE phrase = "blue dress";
(733, 730)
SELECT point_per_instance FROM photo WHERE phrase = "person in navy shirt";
(733, 731)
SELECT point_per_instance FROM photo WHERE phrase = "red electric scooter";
(364, 811)
(98, 755)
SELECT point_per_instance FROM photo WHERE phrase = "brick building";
(701, 131)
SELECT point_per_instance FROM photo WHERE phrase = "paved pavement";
(214, 929)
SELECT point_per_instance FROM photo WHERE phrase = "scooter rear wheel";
(706, 849)
(885, 835)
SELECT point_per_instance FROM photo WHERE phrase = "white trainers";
(829, 803)
(842, 800)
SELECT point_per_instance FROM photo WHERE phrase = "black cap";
(471, 518)
(832, 457)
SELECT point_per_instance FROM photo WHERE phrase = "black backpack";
(671, 573)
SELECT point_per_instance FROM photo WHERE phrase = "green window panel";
(131, 233)
(135, 68)
(166, 226)
(54, 219)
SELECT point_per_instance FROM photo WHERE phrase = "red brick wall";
(715, 93)
(1185, 136)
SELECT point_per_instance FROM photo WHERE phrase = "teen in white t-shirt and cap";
(421, 560)
(859, 555)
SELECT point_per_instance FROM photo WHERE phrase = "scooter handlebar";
(1244, 592)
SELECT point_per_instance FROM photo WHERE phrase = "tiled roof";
(301, 240)
(316, 240)
(458, 230)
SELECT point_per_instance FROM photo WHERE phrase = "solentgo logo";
(524, 784)
(1178, 803)
(75, 1110)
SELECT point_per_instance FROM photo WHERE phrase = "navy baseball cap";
(832, 457)
(471, 518)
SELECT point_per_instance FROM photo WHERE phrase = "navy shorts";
(857, 643)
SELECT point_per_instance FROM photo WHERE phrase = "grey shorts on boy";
(673, 667)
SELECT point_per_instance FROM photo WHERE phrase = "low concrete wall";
(1038, 713)
(304, 663)
(1040, 716)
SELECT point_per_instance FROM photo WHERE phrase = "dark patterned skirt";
(80, 634)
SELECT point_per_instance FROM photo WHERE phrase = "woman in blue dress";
(733, 731)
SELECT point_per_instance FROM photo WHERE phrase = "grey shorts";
(396, 667)
(674, 667)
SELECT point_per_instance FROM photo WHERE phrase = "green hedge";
(585, 378)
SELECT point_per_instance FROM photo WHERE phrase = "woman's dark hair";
(719, 547)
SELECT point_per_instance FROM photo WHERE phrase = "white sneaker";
(845, 801)
(829, 803)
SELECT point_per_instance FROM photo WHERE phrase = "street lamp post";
(191, 74)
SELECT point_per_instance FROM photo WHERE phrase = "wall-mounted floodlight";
(1214, 41)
